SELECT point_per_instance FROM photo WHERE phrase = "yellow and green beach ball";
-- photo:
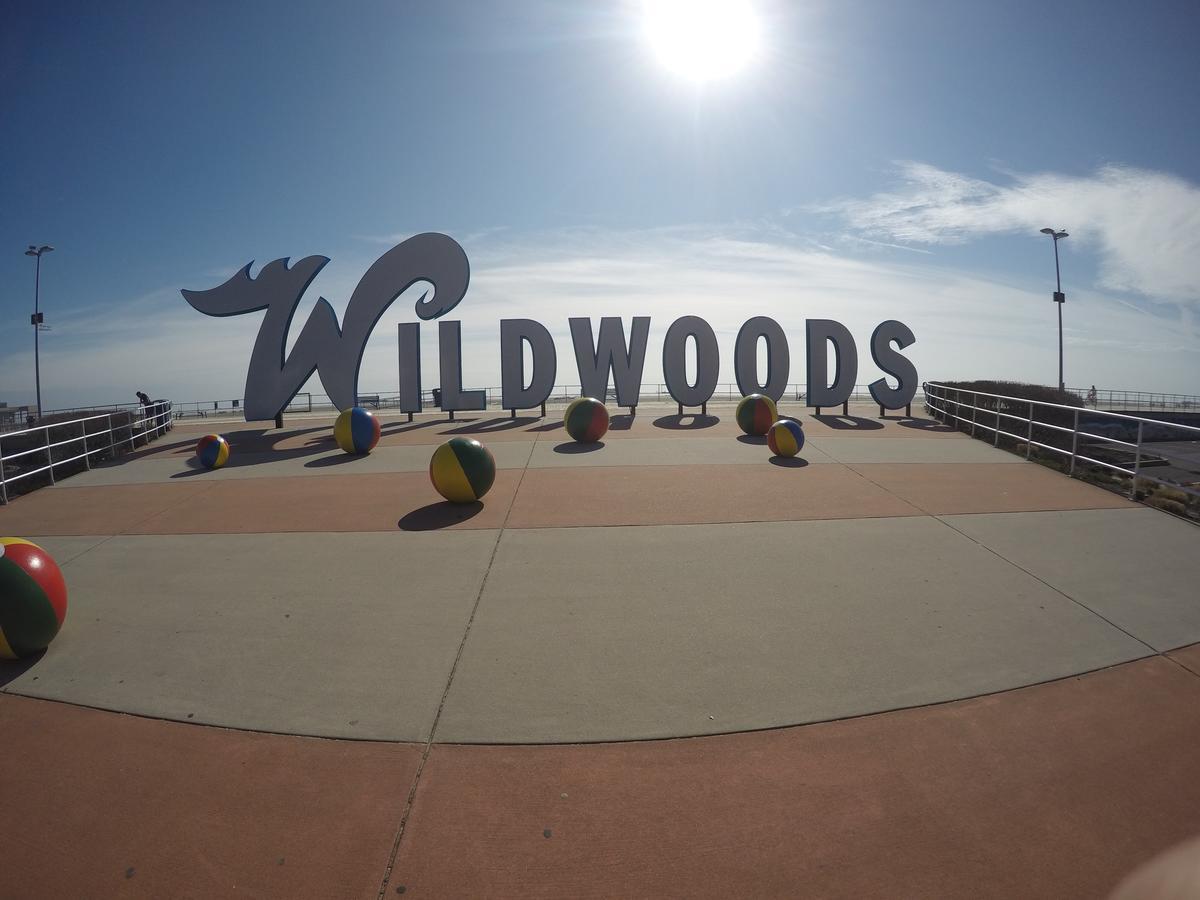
(33, 598)
(356, 430)
(213, 451)
(462, 470)
(786, 438)
(756, 413)
(586, 420)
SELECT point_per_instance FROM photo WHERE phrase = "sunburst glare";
(702, 40)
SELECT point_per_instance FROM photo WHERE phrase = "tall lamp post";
(1059, 297)
(36, 319)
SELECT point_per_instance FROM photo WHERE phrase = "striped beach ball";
(462, 470)
(756, 413)
(33, 598)
(586, 420)
(213, 451)
(786, 438)
(356, 430)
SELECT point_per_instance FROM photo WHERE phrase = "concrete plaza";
(902, 664)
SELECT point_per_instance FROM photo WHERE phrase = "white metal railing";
(301, 403)
(147, 423)
(1139, 400)
(962, 406)
(561, 393)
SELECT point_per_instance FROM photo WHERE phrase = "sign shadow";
(849, 423)
(692, 423)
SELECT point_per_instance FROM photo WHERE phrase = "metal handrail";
(1090, 411)
(559, 393)
(147, 427)
(938, 401)
(1110, 396)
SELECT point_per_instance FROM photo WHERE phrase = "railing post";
(996, 436)
(112, 441)
(3, 482)
(974, 412)
(1029, 434)
(1074, 442)
(87, 460)
(1137, 464)
(49, 453)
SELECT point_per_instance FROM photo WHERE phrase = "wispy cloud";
(1145, 225)
(967, 324)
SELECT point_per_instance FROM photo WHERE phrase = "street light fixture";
(1059, 297)
(36, 319)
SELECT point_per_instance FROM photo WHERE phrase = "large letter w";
(334, 353)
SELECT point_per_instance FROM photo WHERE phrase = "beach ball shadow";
(789, 462)
(340, 459)
(574, 447)
(439, 515)
(195, 467)
(11, 669)
(759, 439)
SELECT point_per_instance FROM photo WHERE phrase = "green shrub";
(1174, 494)
(1171, 506)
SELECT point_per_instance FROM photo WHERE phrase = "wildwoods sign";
(274, 376)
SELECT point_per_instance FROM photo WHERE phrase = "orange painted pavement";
(987, 487)
(100, 804)
(663, 495)
(1053, 791)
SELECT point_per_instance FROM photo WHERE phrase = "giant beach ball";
(213, 451)
(756, 413)
(586, 420)
(356, 430)
(462, 470)
(786, 438)
(33, 598)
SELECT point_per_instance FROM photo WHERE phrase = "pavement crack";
(1153, 650)
(412, 791)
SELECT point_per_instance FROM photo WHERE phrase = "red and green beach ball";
(462, 470)
(33, 598)
(756, 413)
(786, 438)
(356, 430)
(586, 420)
(213, 451)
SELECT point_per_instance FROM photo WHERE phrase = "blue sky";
(874, 160)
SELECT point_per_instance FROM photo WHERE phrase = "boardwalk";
(906, 664)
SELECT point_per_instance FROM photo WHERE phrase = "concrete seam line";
(199, 490)
(890, 493)
(412, 791)
(104, 539)
(1056, 590)
(1181, 663)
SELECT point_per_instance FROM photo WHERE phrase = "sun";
(702, 40)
